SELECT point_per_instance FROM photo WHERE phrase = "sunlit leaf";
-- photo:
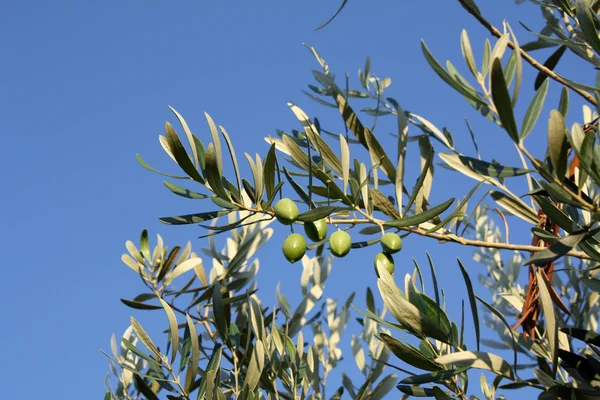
(467, 52)
(144, 338)
(478, 359)
(515, 207)
(549, 317)
(173, 329)
(557, 143)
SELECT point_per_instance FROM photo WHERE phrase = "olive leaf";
(424, 216)
(478, 359)
(502, 100)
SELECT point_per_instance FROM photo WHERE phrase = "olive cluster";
(340, 242)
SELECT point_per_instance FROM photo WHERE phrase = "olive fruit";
(286, 211)
(294, 247)
(386, 260)
(339, 243)
(316, 230)
(391, 243)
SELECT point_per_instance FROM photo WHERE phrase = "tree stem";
(532, 61)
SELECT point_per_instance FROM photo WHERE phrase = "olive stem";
(461, 240)
(532, 61)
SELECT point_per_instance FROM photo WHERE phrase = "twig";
(532, 61)
(463, 241)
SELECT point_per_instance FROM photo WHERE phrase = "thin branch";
(463, 241)
(532, 61)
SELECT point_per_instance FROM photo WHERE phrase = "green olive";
(294, 247)
(316, 230)
(286, 211)
(339, 243)
(386, 260)
(391, 243)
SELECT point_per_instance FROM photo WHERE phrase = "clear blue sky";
(85, 86)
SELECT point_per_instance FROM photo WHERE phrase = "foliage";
(223, 342)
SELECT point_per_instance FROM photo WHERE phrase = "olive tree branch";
(467, 5)
(466, 242)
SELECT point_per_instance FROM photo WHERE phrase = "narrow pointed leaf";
(149, 168)
(181, 155)
(534, 110)
(408, 354)
(587, 21)
(213, 174)
(189, 136)
(478, 359)
(557, 143)
(549, 317)
(194, 218)
(550, 63)
(515, 207)
(425, 216)
(557, 249)
(436, 376)
(502, 101)
(173, 329)
(144, 338)
(472, 301)
(316, 213)
(195, 359)
(324, 24)
(236, 169)
(269, 172)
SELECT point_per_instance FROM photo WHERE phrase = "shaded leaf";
(583, 335)
(587, 21)
(534, 110)
(472, 301)
(550, 64)
(181, 155)
(194, 218)
(436, 376)
(183, 192)
(502, 101)
(334, 15)
(383, 204)
(557, 249)
(213, 174)
(143, 388)
(139, 305)
(425, 216)
(317, 213)
(408, 354)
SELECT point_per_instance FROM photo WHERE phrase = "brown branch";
(532, 61)
(465, 242)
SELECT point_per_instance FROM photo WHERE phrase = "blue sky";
(86, 85)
